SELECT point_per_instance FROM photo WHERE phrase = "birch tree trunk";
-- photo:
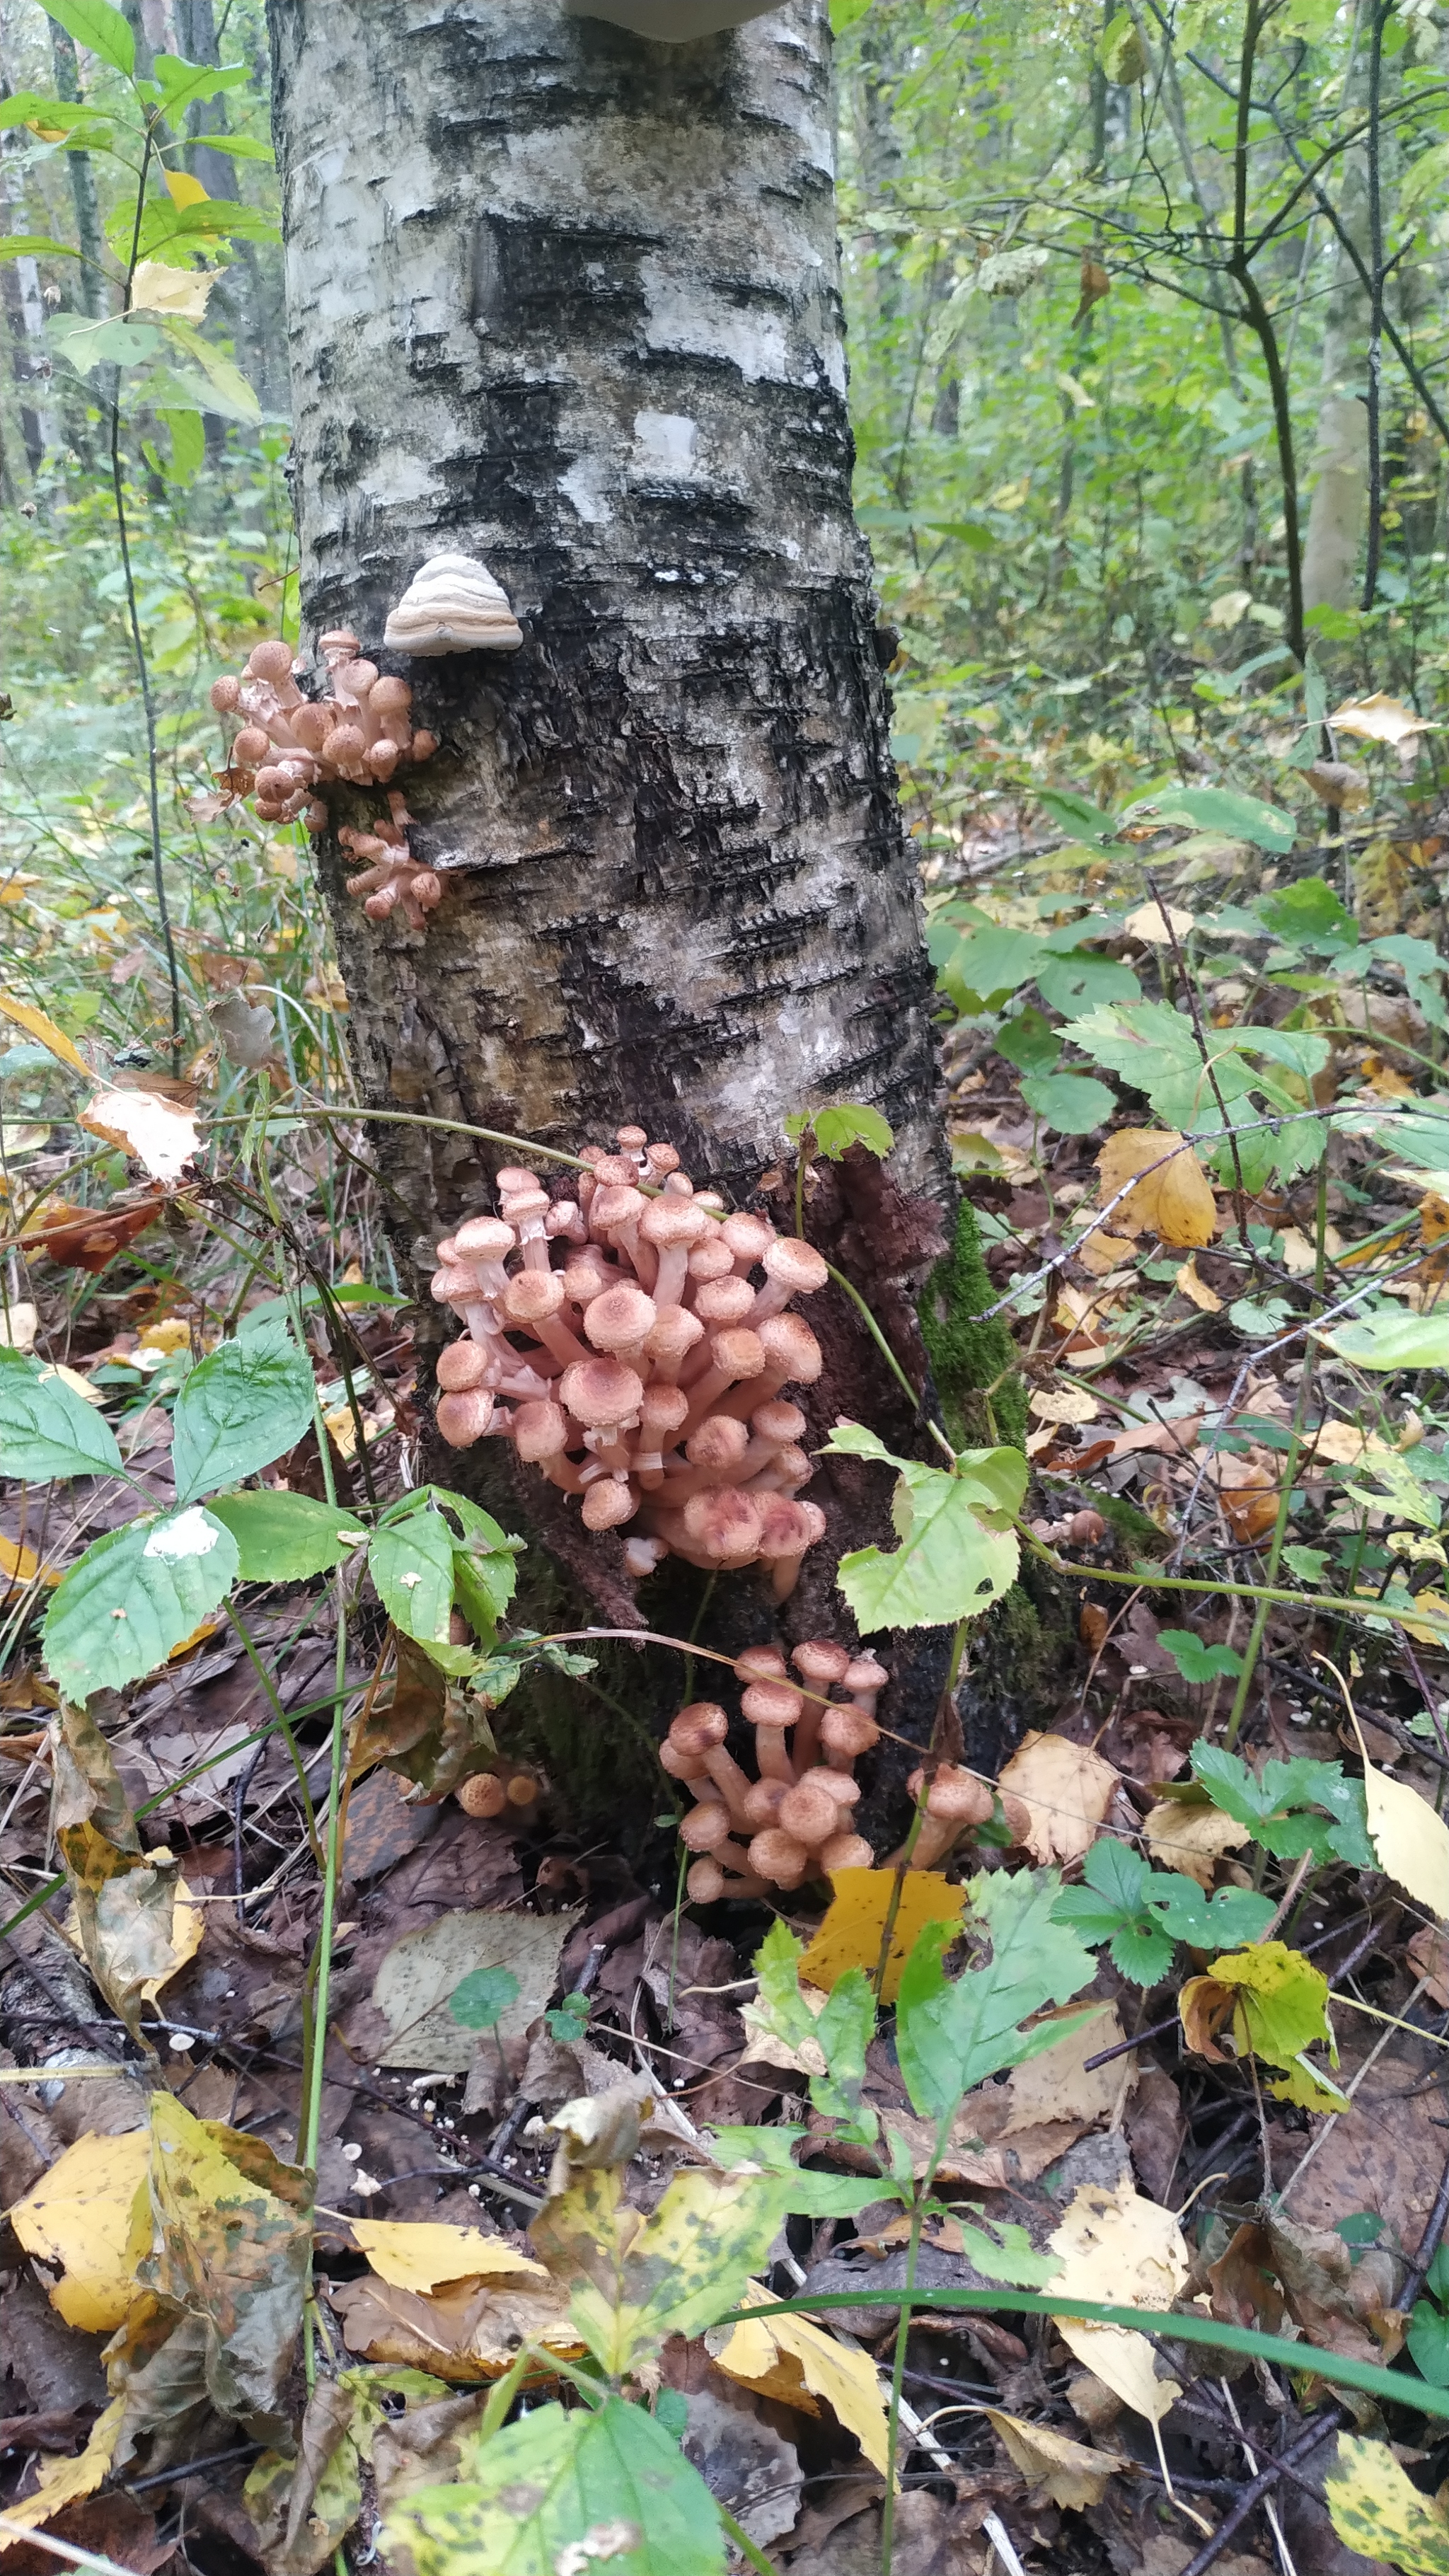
(567, 300)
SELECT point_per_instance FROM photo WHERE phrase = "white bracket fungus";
(453, 605)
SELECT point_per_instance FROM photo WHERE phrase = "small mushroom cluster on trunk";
(620, 1341)
(793, 1821)
(289, 745)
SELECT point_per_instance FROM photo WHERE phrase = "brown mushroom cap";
(761, 1801)
(809, 1813)
(616, 1171)
(724, 1522)
(778, 1856)
(706, 1826)
(760, 1664)
(225, 694)
(845, 1851)
(723, 1301)
(719, 1443)
(699, 1728)
(483, 1795)
(465, 1417)
(796, 1265)
(788, 1528)
(484, 1238)
(540, 1429)
(672, 1220)
(791, 1347)
(863, 1673)
(705, 1883)
(271, 661)
(609, 1502)
(602, 1393)
(461, 1365)
(513, 1177)
(533, 1296)
(749, 1237)
(955, 1796)
(612, 1207)
(739, 1352)
(848, 1732)
(711, 1259)
(620, 1319)
(672, 1335)
(663, 1411)
(771, 1703)
(251, 747)
(779, 1421)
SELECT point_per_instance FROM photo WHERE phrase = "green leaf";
(34, 246)
(115, 342)
(482, 1998)
(411, 1563)
(846, 13)
(1075, 814)
(102, 30)
(811, 2193)
(46, 1429)
(1029, 1042)
(214, 219)
(995, 962)
(776, 1964)
(284, 1538)
(851, 1123)
(1080, 981)
(231, 397)
(951, 2036)
(1423, 972)
(1394, 1340)
(133, 1596)
(1306, 914)
(1222, 809)
(958, 1552)
(188, 444)
(1072, 1103)
(184, 84)
(249, 1402)
(844, 2032)
(1278, 1806)
(1143, 1912)
(1428, 2342)
(562, 2491)
(1195, 1661)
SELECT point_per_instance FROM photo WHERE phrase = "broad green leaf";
(1394, 1340)
(997, 961)
(133, 1596)
(1143, 1912)
(951, 1563)
(809, 2192)
(32, 107)
(115, 342)
(1282, 2000)
(846, 13)
(844, 2032)
(1423, 972)
(411, 1563)
(852, 1123)
(1428, 2341)
(203, 225)
(34, 246)
(776, 1964)
(284, 1538)
(1278, 1806)
(1081, 981)
(1029, 1042)
(184, 84)
(1306, 914)
(231, 397)
(951, 2035)
(247, 1403)
(1076, 814)
(101, 29)
(561, 2491)
(483, 1997)
(682, 2269)
(46, 1429)
(1072, 1103)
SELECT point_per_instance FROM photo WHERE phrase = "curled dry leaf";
(155, 288)
(792, 2360)
(1428, 1956)
(1053, 2464)
(1063, 1404)
(86, 1238)
(1055, 1795)
(1119, 2249)
(468, 2330)
(1197, 1289)
(79, 2216)
(159, 1133)
(1380, 718)
(63, 2482)
(1174, 1201)
(1248, 1492)
(1191, 1839)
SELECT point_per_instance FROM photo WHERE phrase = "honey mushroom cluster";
(643, 1367)
(289, 745)
(390, 878)
(793, 1822)
(508, 1789)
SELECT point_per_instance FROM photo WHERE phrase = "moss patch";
(968, 1356)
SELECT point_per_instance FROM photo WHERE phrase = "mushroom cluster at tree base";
(793, 1822)
(619, 1339)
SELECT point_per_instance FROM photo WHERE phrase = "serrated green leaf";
(284, 1538)
(1278, 1806)
(951, 2035)
(133, 1596)
(246, 1404)
(1195, 1661)
(1072, 1103)
(46, 1429)
(957, 1553)
(411, 1563)
(851, 1122)
(101, 29)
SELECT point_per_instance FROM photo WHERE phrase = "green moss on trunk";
(969, 1357)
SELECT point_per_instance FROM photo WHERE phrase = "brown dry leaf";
(1093, 1625)
(1191, 1839)
(1174, 1439)
(1055, 1794)
(469, 2331)
(1433, 1213)
(86, 1238)
(1119, 2249)
(1385, 2153)
(159, 1133)
(1147, 924)
(1428, 1956)
(1103, 1253)
(1380, 718)
(1174, 1201)
(1248, 1490)
(133, 1916)
(1197, 1289)
(1063, 1404)
(1053, 2464)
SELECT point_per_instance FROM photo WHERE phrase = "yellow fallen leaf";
(182, 189)
(1103, 1253)
(64, 2482)
(155, 288)
(1063, 1404)
(1412, 1842)
(159, 1133)
(1342, 1443)
(1197, 1289)
(22, 1565)
(1055, 1794)
(188, 1923)
(790, 2359)
(1122, 2250)
(172, 1333)
(1377, 2510)
(72, 1378)
(1380, 718)
(1071, 2474)
(342, 1430)
(416, 2254)
(1147, 924)
(19, 1325)
(1190, 1839)
(851, 1934)
(1174, 1198)
(79, 2216)
(38, 1025)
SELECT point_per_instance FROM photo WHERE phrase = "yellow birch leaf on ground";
(79, 2216)
(636, 2280)
(1411, 1841)
(790, 2359)
(1433, 1214)
(1378, 2510)
(44, 1031)
(1103, 1254)
(1277, 2001)
(72, 1378)
(1197, 1289)
(1055, 1794)
(1071, 2474)
(1174, 1200)
(22, 1565)
(1119, 2249)
(1063, 1404)
(850, 1936)
(159, 1133)
(1147, 924)
(64, 2482)
(416, 2254)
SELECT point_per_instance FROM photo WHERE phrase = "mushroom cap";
(484, 1238)
(389, 696)
(698, 1728)
(705, 1883)
(749, 1237)
(863, 1673)
(760, 1664)
(672, 1335)
(706, 1826)
(523, 1207)
(778, 1421)
(225, 693)
(673, 1220)
(270, 661)
(620, 1319)
(464, 1417)
(540, 1429)
(710, 1258)
(662, 1159)
(453, 605)
(461, 1365)
(251, 747)
(514, 1177)
(771, 1703)
(312, 726)
(778, 1856)
(848, 1732)
(523, 1789)
(680, 1766)
(724, 1522)
(615, 1204)
(483, 1795)
(809, 1813)
(739, 1352)
(632, 1137)
(845, 1851)
(760, 1805)
(789, 1528)
(533, 1296)
(791, 1347)
(609, 1502)
(723, 1301)
(602, 1392)
(355, 679)
(838, 1785)
(796, 1265)
(344, 744)
(663, 1410)
(719, 1443)
(616, 1171)
(792, 1466)
(955, 1796)
(338, 639)
(587, 1275)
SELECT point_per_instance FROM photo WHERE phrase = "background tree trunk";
(567, 300)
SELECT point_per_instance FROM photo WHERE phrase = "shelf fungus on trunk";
(793, 1821)
(453, 605)
(289, 744)
(619, 1340)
